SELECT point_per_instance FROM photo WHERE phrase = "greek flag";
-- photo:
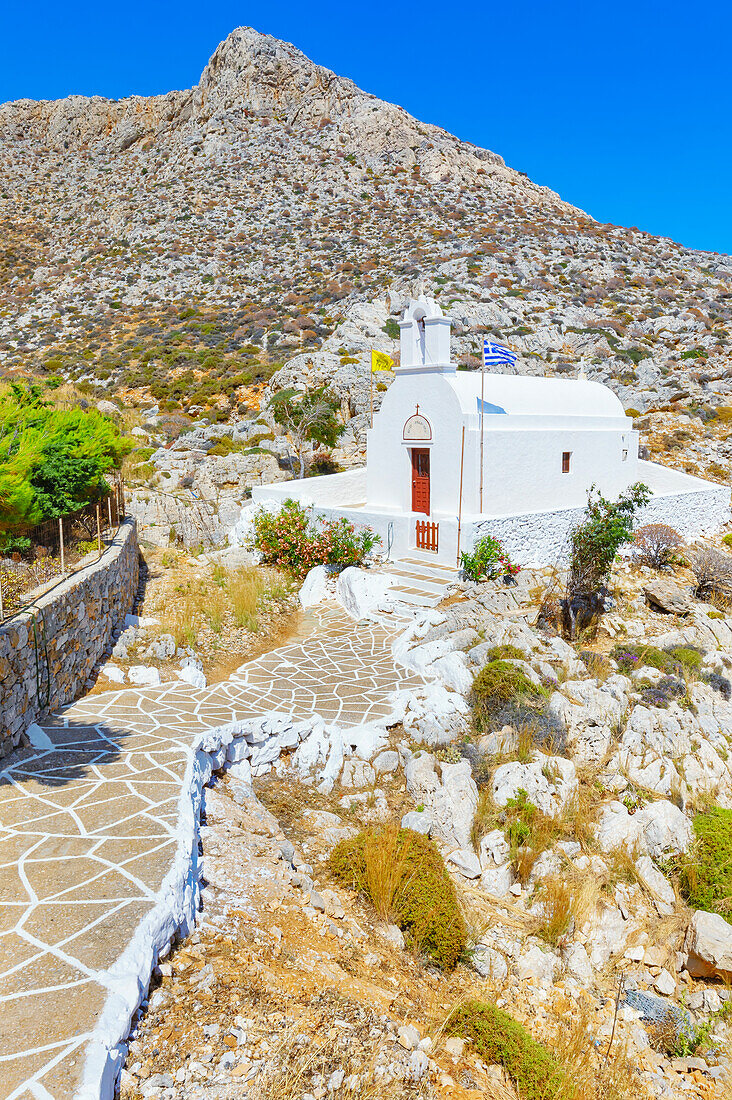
(494, 354)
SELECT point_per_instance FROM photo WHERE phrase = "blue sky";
(622, 108)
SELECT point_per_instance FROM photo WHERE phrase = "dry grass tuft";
(292, 1066)
(592, 1073)
(530, 832)
(568, 900)
(386, 869)
(236, 595)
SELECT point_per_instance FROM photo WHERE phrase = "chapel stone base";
(692, 506)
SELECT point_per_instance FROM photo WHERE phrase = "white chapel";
(453, 454)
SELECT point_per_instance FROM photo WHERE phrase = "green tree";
(307, 417)
(52, 460)
(607, 525)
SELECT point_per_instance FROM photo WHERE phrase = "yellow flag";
(381, 361)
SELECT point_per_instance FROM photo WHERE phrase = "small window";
(566, 461)
(625, 454)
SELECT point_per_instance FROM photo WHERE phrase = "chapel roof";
(522, 395)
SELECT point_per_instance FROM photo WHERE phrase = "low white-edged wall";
(345, 490)
(177, 899)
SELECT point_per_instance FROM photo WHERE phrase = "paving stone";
(92, 821)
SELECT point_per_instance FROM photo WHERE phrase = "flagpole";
(371, 376)
(482, 413)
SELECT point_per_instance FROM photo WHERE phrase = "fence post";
(109, 511)
(61, 543)
(2, 613)
(99, 531)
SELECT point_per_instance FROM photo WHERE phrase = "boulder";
(537, 965)
(494, 850)
(665, 596)
(607, 934)
(364, 740)
(708, 946)
(658, 829)
(451, 798)
(578, 965)
(497, 880)
(361, 593)
(490, 963)
(357, 773)
(466, 862)
(386, 762)
(666, 829)
(143, 676)
(193, 676)
(418, 821)
(657, 885)
(590, 714)
(112, 673)
(315, 587)
(549, 781)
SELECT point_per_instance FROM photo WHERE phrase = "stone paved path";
(88, 823)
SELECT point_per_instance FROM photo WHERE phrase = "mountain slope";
(189, 243)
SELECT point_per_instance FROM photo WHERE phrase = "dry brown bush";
(654, 544)
(713, 573)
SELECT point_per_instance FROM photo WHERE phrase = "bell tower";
(425, 339)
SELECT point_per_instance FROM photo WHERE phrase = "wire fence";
(57, 548)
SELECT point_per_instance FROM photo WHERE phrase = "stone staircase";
(420, 580)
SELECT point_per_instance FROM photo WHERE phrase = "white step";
(414, 580)
(424, 558)
(417, 599)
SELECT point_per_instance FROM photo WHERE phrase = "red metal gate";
(427, 535)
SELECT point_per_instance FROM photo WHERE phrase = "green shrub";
(505, 652)
(391, 328)
(606, 526)
(402, 873)
(498, 685)
(87, 546)
(705, 872)
(500, 1039)
(487, 561)
(727, 540)
(674, 661)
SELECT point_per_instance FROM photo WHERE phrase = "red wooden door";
(421, 480)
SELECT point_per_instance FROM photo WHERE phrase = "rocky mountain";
(182, 247)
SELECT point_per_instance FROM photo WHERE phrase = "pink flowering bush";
(296, 540)
(487, 561)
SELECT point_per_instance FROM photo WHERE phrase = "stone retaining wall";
(46, 667)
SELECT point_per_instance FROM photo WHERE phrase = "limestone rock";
(590, 714)
(143, 676)
(386, 762)
(466, 862)
(657, 884)
(665, 596)
(708, 945)
(357, 773)
(315, 587)
(549, 781)
(418, 822)
(450, 797)
(660, 828)
(494, 849)
(362, 594)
